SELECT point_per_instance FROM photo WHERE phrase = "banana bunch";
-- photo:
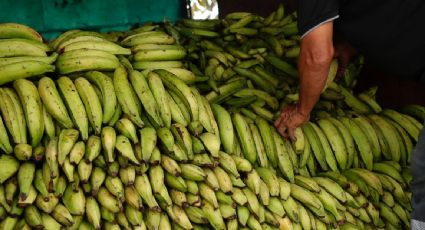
(337, 98)
(85, 51)
(23, 53)
(415, 111)
(245, 40)
(333, 143)
(359, 140)
(73, 185)
(153, 48)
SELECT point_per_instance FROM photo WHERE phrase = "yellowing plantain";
(109, 98)
(74, 104)
(146, 97)
(91, 103)
(71, 65)
(126, 96)
(53, 102)
(33, 109)
(15, 30)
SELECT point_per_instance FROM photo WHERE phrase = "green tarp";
(51, 17)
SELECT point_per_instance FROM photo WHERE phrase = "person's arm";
(314, 61)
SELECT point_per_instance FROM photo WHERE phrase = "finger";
(291, 133)
(281, 129)
(293, 136)
(278, 121)
(285, 134)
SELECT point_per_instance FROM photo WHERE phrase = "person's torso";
(390, 32)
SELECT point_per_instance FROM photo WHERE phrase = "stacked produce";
(154, 49)
(22, 53)
(188, 142)
(86, 50)
(255, 76)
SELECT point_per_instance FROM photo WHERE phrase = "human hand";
(343, 52)
(290, 118)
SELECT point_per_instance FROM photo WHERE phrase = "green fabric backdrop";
(50, 17)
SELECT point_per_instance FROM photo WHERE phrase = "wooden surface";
(392, 93)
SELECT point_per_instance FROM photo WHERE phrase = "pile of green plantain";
(170, 126)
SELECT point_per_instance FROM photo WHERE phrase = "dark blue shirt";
(391, 33)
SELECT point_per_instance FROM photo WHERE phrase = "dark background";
(392, 92)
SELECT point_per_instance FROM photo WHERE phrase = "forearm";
(313, 64)
(313, 77)
(316, 55)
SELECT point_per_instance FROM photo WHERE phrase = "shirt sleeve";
(313, 13)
